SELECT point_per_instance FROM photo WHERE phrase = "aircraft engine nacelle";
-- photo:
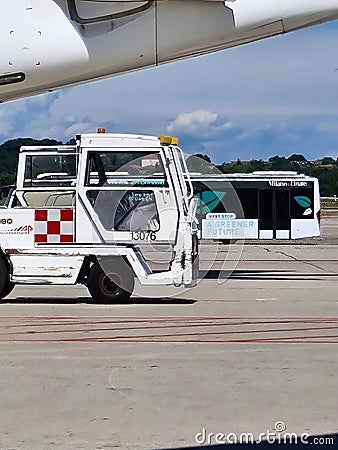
(49, 44)
(293, 14)
(210, 25)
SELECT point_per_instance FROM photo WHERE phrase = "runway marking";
(173, 330)
(266, 299)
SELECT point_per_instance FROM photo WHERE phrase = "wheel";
(110, 281)
(6, 286)
(224, 241)
(7, 291)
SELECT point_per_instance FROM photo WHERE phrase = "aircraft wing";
(50, 44)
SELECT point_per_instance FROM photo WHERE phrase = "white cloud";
(199, 123)
(191, 122)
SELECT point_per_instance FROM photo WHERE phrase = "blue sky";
(277, 96)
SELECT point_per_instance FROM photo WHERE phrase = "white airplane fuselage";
(50, 44)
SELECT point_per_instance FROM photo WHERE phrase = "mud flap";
(195, 261)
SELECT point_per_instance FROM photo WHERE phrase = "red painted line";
(157, 340)
(170, 318)
(198, 323)
(308, 340)
(207, 333)
(188, 324)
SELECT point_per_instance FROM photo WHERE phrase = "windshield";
(144, 168)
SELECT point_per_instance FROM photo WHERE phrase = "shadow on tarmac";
(263, 275)
(324, 441)
(90, 301)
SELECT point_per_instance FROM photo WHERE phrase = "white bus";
(258, 205)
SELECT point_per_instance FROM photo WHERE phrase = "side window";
(120, 210)
(50, 170)
(248, 198)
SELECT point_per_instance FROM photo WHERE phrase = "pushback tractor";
(82, 214)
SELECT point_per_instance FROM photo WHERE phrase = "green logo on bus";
(209, 200)
(304, 202)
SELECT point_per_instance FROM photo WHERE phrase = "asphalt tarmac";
(252, 349)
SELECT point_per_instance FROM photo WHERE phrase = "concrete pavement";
(236, 354)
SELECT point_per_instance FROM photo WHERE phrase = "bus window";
(282, 206)
(265, 210)
(249, 200)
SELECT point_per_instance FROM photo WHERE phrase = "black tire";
(7, 291)
(6, 286)
(110, 281)
(225, 241)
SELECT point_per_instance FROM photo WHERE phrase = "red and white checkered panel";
(54, 226)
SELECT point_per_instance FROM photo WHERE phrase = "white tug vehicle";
(80, 213)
